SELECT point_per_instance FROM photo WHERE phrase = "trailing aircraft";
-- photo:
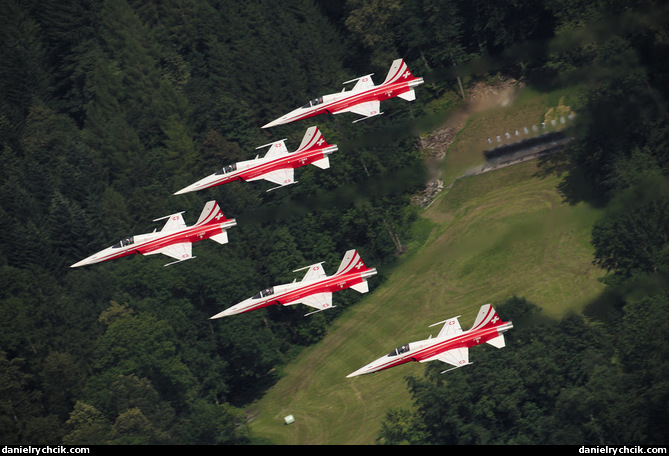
(451, 345)
(314, 290)
(363, 99)
(174, 240)
(277, 166)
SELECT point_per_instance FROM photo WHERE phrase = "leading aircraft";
(451, 345)
(277, 166)
(174, 240)
(314, 290)
(363, 99)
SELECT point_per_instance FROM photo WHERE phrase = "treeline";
(109, 106)
(598, 378)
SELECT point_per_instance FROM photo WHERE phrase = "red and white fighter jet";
(314, 290)
(277, 166)
(364, 99)
(451, 345)
(174, 240)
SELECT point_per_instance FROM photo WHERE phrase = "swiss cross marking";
(406, 74)
(494, 320)
(320, 141)
(218, 217)
(359, 265)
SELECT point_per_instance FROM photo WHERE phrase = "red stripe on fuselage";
(332, 284)
(292, 160)
(466, 339)
(191, 234)
(379, 93)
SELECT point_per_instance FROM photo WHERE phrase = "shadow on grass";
(575, 187)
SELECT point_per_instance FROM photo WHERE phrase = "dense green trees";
(107, 107)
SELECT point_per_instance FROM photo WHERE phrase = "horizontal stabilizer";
(221, 238)
(408, 96)
(362, 287)
(323, 163)
(497, 342)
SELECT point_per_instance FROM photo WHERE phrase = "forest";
(107, 107)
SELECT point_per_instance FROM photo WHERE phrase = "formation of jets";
(315, 289)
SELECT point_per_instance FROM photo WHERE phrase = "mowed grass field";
(507, 232)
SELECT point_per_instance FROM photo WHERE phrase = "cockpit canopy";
(263, 293)
(404, 348)
(314, 102)
(228, 169)
(123, 242)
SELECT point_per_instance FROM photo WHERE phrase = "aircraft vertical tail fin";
(351, 261)
(313, 139)
(487, 318)
(399, 71)
(211, 214)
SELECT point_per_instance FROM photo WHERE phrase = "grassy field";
(492, 236)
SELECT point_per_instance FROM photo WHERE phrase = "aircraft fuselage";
(336, 102)
(146, 244)
(291, 292)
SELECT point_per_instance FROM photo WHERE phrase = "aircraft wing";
(319, 301)
(280, 176)
(180, 252)
(367, 109)
(174, 222)
(315, 271)
(451, 328)
(456, 357)
(364, 83)
(276, 149)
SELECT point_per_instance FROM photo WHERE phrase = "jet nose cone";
(354, 374)
(273, 123)
(184, 190)
(368, 369)
(207, 182)
(225, 313)
(85, 261)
